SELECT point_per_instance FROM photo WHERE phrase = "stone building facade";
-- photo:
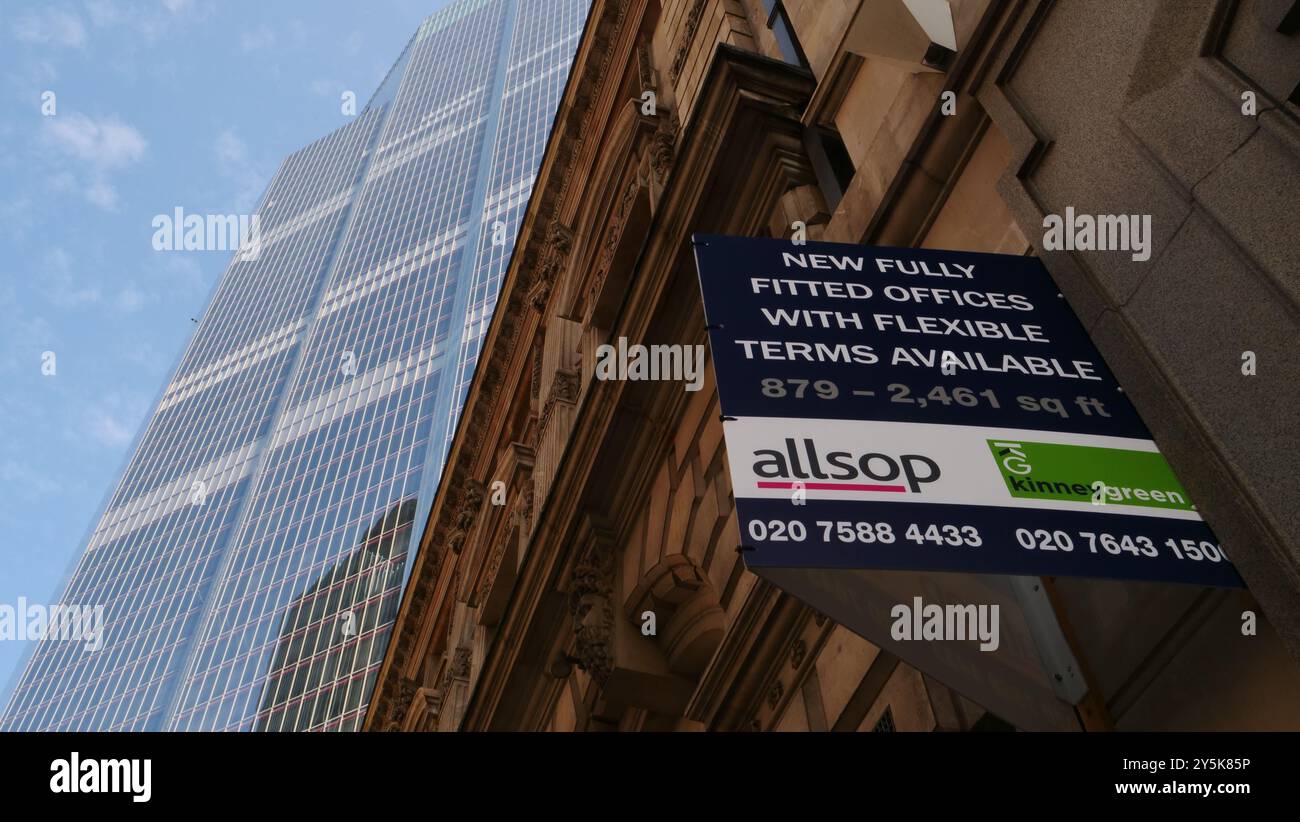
(572, 507)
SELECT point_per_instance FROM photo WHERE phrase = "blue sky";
(159, 104)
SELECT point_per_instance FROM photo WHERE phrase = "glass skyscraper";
(251, 558)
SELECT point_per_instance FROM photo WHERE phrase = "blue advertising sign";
(899, 408)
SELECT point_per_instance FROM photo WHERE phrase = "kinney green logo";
(1041, 470)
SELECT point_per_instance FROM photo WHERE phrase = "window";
(830, 161)
(886, 722)
(779, 22)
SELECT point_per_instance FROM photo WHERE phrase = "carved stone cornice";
(591, 71)
(401, 703)
(421, 592)
(604, 31)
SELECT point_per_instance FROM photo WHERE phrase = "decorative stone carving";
(470, 502)
(565, 386)
(617, 225)
(613, 236)
(549, 270)
(432, 708)
(593, 612)
(560, 238)
(775, 693)
(645, 67)
(406, 690)
(798, 653)
(537, 368)
(526, 511)
(490, 572)
(688, 37)
(459, 668)
(539, 295)
(663, 148)
(554, 256)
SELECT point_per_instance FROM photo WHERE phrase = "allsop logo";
(77, 775)
(804, 461)
(1040, 470)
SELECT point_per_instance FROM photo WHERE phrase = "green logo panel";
(1042, 470)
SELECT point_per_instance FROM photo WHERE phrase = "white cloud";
(16, 218)
(106, 429)
(112, 420)
(235, 164)
(62, 182)
(31, 78)
(143, 354)
(182, 270)
(104, 143)
(67, 286)
(129, 300)
(52, 26)
(56, 259)
(298, 32)
(64, 291)
(104, 12)
(102, 194)
(101, 145)
(22, 477)
(150, 20)
(259, 38)
(230, 148)
(66, 294)
(23, 335)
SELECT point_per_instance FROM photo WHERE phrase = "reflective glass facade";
(251, 558)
